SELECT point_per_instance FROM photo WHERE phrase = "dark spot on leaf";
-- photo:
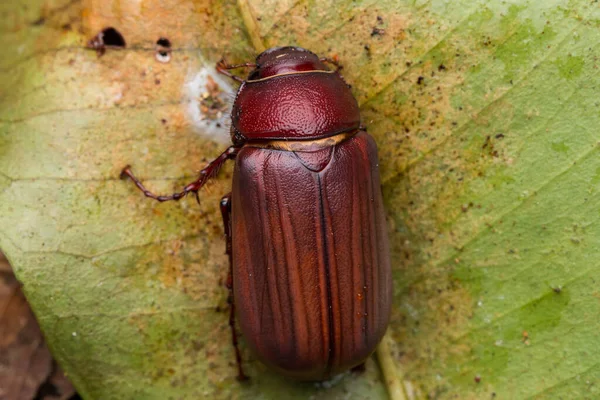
(163, 50)
(108, 37)
(487, 142)
(112, 37)
(164, 42)
(377, 32)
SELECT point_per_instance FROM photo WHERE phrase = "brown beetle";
(305, 224)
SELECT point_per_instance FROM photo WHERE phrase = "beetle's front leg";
(223, 68)
(226, 213)
(211, 170)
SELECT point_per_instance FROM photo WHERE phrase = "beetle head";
(281, 60)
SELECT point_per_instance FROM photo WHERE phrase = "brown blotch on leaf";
(377, 32)
(526, 338)
(212, 101)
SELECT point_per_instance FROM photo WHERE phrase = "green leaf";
(485, 113)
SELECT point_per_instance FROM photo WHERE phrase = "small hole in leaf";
(163, 50)
(164, 42)
(112, 37)
(108, 37)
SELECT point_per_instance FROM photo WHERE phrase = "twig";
(251, 25)
(391, 374)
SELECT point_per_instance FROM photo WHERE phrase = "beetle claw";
(124, 172)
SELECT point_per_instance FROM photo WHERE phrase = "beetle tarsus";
(125, 172)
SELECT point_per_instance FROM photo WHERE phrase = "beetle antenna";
(223, 68)
(224, 65)
(206, 174)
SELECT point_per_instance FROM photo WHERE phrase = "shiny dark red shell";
(292, 95)
(311, 262)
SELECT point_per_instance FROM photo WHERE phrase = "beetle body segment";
(298, 106)
(292, 95)
(311, 265)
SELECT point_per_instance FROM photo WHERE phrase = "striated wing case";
(312, 277)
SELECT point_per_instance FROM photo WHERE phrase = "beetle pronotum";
(305, 224)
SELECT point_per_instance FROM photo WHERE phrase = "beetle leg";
(222, 64)
(338, 67)
(211, 170)
(226, 213)
(223, 68)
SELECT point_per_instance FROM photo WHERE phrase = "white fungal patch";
(333, 381)
(198, 94)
